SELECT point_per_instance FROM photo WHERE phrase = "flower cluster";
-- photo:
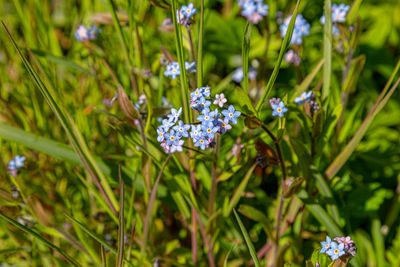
(278, 107)
(82, 34)
(15, 164)
(253, 10)
(173, 69)
(292, 57)
(344, 246)
(301, 28)
(339, 13)
(210, 122)
(185, 14)
(238, 74)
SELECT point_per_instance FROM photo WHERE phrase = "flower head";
(326, 245)
(224, 125)
(279, 109)
(209, 130)
(176, 146)
(292, 57)
(188, 11)
(190, 67)
(301, 28)
(181, 129)
(175, 114)
(304, 97)
(238, 74)
(253, 10)
(161, 134)
(172, 70)
(220, 100)
(336, 250)
(201, 142)
(231, 114)
(82, 34)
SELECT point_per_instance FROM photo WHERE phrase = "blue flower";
(209, 130)
(19, 161)
(190, 67)
(326, 244)
(279, 109)
(205, 117)
(204, 104)
(237, 76)
(181, 129)
(304, 97)
(175, 114)
(201, 142)
(336, 250)
(176, 146)
(224, 125)
(171, 137)
(188, 11)
(301, 28)
(93, 32)
(166, 124)
(339, 12)
(253, 10)
(196, 132)
(196, 94)
(173, 70)
(11, 165)
(81, 33)
(206, 91)
(161, 134)
(231, 114)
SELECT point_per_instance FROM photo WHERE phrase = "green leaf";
(238, 193)
(284, 46)
(245, 101)
(257, 216)
(321, 258)
(353, 12)
(320, 214)
(249, 244)
(40, 238)
(245, 56)
(327, 51)
(383, 98)
(307, 81)
(73, 134)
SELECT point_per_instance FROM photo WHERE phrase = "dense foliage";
(204, 133)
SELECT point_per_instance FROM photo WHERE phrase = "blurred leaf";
(357, 65)
(353, 12)
(246, 104)
(305, 84)
(326, 86)
(258, 216)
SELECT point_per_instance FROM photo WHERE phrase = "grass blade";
(345, 154)
(179, 51)
(121, 222)
(39, 237)
(320, 214)
(238, 193)
(284, 46)
(249, 244)
(307, 81)
(245, 56)
(200, 47)
(327, 50)
(73, 134)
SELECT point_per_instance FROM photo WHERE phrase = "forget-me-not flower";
(190, 67)
(253, 10)
(326, 244)
(336, 250)
(176, 146)
(301, 28)
(231, 114)
(279, 109)
(209, 130)
(175, 114)
(181, 129)
(201, 142)
(188, 11)
(304, 97)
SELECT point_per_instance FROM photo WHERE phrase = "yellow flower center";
(206, 118)
(223, 125)
(336, 251)
(279, 109)
(188, 10)
(230, 115)
(208, 130)
(303, 98)
(174, 71)
(327, 245)
(161, 134)
(202, 141)
(172, 138)
(196, 93)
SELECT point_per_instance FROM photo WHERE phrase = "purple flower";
(224, 125)
(220, 100)
(292, 57)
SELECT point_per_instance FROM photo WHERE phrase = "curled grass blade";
(39, 237)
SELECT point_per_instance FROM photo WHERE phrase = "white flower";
(220, 100)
